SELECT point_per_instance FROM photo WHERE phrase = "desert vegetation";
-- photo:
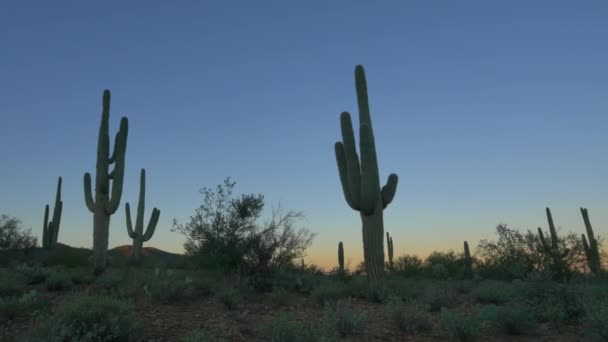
(245, 280)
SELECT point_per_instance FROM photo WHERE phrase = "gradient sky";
(487, 111)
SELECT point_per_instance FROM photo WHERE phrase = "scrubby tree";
(408, 265)
(516, 254)
(12, 235)
(224, 232)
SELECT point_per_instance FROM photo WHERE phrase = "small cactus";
(552, 249)
(591, 247)
(341, 257)
(389, 243)
(50, 229)
(137, 234)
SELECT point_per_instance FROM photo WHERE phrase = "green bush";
(554, 302)
(11, 283)
(82, 276)
(68, 257)
(86, 318)
(231, 297)
(201, 335)
(596, 317)
(13, 307)
(512, 319)
(167, 285)
(329, 291)
(287, 329)
(459, 327)
(411, 317)
(109, 281)
(33, 273)
(57, 281)
(438, 297)
(280, 297)
(494, 292)
(343, 318)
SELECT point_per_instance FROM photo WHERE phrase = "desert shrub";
(67, 257)
(11, 283)
(512, 319)
(230, 296)
(34, 274)
(451, 264)
(329, 291)
(458, 326)
(166, 285)
(408, 265)
(596, 317)
(287, 329)
(280, 296)
(411, 317)
(201, 335)
(343, 318)
(12, 235)
(224, 233)
(86, 318)
(463, 286)
(438, 297)
(109, 281)
(302, 282)
(16, 306)
(554, 302)
(82, 276)
(406, 289)
(58, 280)
(494, 292)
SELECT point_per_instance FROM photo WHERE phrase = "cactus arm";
(342, 171)
(88, 195)
(388, 190)
(353, 167)
(152, 224)
(341, 256)
(585, 244)
(45, 227)
(362, 98)
(541, 237)
(56, 223)
(141, 204)
(119, 167)
(130, 231)
(551, 228)
(590, 245)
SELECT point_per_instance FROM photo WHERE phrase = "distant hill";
(64, 254)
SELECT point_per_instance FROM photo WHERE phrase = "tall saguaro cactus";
(552, 248)
(468, 261)
(103, 205)
(361, 181)
(137, 234)
(591, 247)
(341, 257)
(50, 229)
(389, 243)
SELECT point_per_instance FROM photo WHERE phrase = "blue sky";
(487, 111)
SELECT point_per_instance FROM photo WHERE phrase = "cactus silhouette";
(468, 261)
(137, 234)
(341, 257)
(389, 243)
(103, 205)
(50, 229)
(591, 247)
(552, 249)
(361, 181)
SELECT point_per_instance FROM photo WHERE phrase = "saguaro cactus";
(361, 181)
(591, 248)
(103, 206)
(468, 261)
(552, 249)
(138, 235)
(389, 243)
(50, 229)
(341, 257)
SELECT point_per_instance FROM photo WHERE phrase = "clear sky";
(488, 111)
